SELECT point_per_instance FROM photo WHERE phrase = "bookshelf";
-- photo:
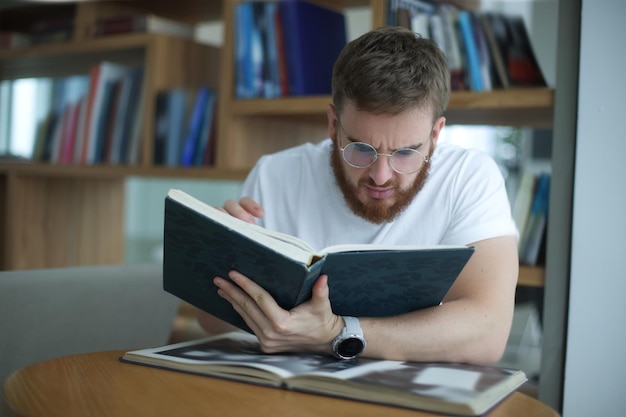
(60, 215)
(84, 221)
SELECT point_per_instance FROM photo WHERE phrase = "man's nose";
(381, 171)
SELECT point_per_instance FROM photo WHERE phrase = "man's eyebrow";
(414, 147)
(353, 139)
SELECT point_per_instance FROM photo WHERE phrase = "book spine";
(473, 59)
(191, 143)
(499, 67)
(535, 228)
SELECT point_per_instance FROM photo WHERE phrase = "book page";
(374, 247)
(451, 378)
(230, 355)
(288, 245)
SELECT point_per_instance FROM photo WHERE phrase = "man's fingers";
(246, 209)
(251, 206)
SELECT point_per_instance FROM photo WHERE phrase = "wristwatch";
(350, 343)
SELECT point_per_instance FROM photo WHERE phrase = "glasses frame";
(377, 154)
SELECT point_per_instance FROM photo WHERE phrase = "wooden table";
(97, 384)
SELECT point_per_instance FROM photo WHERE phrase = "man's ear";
(437, 128)
(331, 114)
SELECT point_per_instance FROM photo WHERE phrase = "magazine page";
(445, 387)
(234, 355)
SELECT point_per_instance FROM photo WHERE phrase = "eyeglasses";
(363, 155)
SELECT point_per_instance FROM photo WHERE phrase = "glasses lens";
(360, 155)
(406, 161)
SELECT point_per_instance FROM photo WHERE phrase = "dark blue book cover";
(313, 38)
(201, 243)
(111, 90)
(192, 139)
(160, 127)
(177, 109)
(208, 127)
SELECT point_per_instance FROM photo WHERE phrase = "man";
(382, 177)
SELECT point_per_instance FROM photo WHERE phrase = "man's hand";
(310, 326)
(246, 209)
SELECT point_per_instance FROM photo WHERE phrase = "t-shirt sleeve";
(481, 209)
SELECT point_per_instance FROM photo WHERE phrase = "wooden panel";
(58, 222)
(531, 276)
(251, 137)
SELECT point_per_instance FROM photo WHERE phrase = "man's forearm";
(457, 331)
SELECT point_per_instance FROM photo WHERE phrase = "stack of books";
(485, 51)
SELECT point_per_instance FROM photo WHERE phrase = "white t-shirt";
(464, 200)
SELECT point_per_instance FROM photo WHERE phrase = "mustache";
(370, 183)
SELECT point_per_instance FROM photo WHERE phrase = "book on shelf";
(420, 24)
(141, 23)
(484, 55)
(464, 19)
(110, 103)
(281, 50)
(452, 46)
(448, 388)
(202, 242)
(192, 140)
(204, 154)
(13, 39)
(523, 67)
(244, 63)
(126, 116)
(184, 119)
(271, 67)
(436, 31)
(133, 149)
(313, 37)
(403, 17)
(283, 81)
(496, 42)
(68, 142)
(523, 200)
(399, 11)
(536, 223)
(102, 74)
(56, 99)
(180, 101)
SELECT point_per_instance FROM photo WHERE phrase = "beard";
(375, 210)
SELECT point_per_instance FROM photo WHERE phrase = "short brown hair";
(389, 70)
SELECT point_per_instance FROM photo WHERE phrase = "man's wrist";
(350, 342)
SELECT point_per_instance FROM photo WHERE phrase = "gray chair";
(49, 313)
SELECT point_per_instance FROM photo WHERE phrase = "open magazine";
(450, 388)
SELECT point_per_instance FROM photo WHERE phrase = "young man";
(382, 177)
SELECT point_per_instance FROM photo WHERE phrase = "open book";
(449, 388)
(201, 242)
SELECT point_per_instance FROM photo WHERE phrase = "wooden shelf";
(531, 276)
(108, 171)
(515, 106)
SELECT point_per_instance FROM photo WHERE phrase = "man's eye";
(404, 153)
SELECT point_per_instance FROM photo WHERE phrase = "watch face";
(351, 347)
